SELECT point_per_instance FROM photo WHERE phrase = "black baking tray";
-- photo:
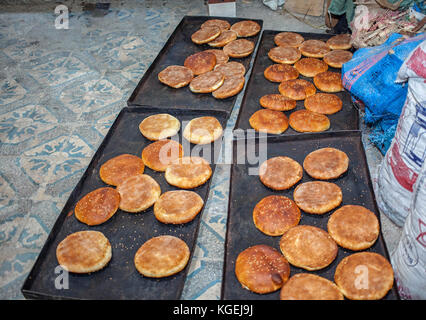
(150, 91)
(247, 190)
(258, 86)
(125, 231)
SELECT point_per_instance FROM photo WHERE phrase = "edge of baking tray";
(148, 72)
(26, 286)
(346, 133)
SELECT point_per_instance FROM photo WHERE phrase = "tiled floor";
(60, 92)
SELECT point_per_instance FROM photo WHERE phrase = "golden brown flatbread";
(246, 28)
(97, 206)
(277, 102)
(188, 172)
(203, 130)
(159, 126)
(280, 173)
(239, 48)
(229, 88)
(329, 81)
(308, 247)
(326, 163)
(162, 256)
(340, 41)
(280, 72)
(308, 121)
(205, 34)
(310, 67)
(286, 55)
(306, 286)
(274, 215)
(337, 58)
(314, 48)
(231, 69)
(221, 57)
(200, 62)
(84, 252)
(364, 276)
(288, 39)
(317, 197)
(297, 89)
(119, 168)
(178, 206)
(222, 24)
(225, 37)
(207, 82)
(176, 76)
(354, 227)
(158, 155)
(138, 193)
(261, 269)
(269, 121)
(325, 103)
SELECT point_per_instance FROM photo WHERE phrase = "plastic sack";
(370, 77)
(402, 163)
(409, 258)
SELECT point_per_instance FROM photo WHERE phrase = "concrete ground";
(60, 92)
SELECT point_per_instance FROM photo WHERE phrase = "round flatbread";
(286, 55)
(337, 58)
(200, 62)
(207, 82)
(158, 155)
(246, 28)
(97, 206)
(280, 173)
(203, 130)
(116, 170)
(364, 276)
(178, 206)
(308, 247)
(340, 41)
(278, 102)
(159, 126)
(176, 76)
(306, 286)
(239, 48)
(329, 81)
(162, 256)
(288, 39)
(225, 37)
(317, 197)
(205, 34)
(326, 163)
(308, 121)
(138, 193)
(274, 215)
(84, 252)
(229, 88)
(221, 57)
(314, 48)
(325, 103)
(261, 269)
(231, 69)
(310, 67)
(188, 172)
(354, 227)
(222, 24)
(280, 72)
(269, 121)
(297, 89)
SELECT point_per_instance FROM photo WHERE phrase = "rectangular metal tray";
(247, 190)
(125, 231)
(150, 91)
(258, 86)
